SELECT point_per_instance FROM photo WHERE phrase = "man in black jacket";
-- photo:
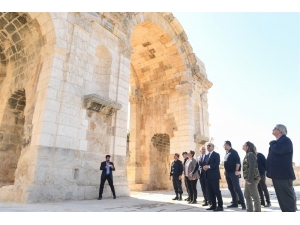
(176, 173)
(280, 168)
(107, 167)
(262, 187)
(232, 166)
(185, 156)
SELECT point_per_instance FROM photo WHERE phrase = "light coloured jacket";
(191, 167)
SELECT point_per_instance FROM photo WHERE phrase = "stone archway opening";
(11, 137)
(159, 162)
(155, 70)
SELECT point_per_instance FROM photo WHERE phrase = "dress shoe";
(262, 203)
(193, 202)
(267, 205)
(232, 206)
(180, 197)
(99, 198)
(114, 197)
(218, 209)
(211, 208)
(176, 198)
(187, 199)
(205, 204)
(244, 208)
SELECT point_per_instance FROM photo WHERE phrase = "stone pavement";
(150, 201)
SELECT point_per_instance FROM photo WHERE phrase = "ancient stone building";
(66, 83)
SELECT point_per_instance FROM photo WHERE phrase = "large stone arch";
(78, 100)
(24, 45)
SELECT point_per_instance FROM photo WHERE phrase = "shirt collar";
(279, 137)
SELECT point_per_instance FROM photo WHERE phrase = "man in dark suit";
(107, 167)
(262, 187)
(202, 174)
(280, 168)
(213, 176)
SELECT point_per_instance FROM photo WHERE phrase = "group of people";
(278, 166)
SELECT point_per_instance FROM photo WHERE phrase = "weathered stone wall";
(76, 70)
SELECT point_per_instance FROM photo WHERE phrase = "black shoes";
(187, 199)
(205, 204)
(114, 197)
(180, 197)
(192, 202)
(211, 208)
(232, 206)
(218, 209)
(268, 204)
(99, 198)
(176, 198)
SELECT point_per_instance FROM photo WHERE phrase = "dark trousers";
(285, 194)
(204, 188)
(234, 187)
(192, 184)
(262, 189)
(110, 182)
(177, 184)
(214, 191)
(187, 185)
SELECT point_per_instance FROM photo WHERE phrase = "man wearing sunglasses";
(280, 168)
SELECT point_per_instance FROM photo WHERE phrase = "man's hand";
(191, 174)
(205, 167)
(225, 173)
(237, 173)
(179, 178)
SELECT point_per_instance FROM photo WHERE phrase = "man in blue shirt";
(107, 167)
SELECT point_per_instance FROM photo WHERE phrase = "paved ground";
(152, 201)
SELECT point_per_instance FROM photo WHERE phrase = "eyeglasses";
(209, 145)
(275, 128)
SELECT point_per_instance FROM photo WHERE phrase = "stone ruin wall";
(64, 84)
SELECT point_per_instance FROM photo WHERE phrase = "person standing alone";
(107, 167)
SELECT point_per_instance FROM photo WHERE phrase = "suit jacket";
(102, 167)
(200, 165)
(191, 168)
(280, 159)
(214, 163)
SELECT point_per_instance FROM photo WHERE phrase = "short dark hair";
(184, 153)
(177, 154)
(228, 143)
(107, 156)
(192, 152)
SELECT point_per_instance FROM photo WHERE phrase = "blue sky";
(253, 61)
